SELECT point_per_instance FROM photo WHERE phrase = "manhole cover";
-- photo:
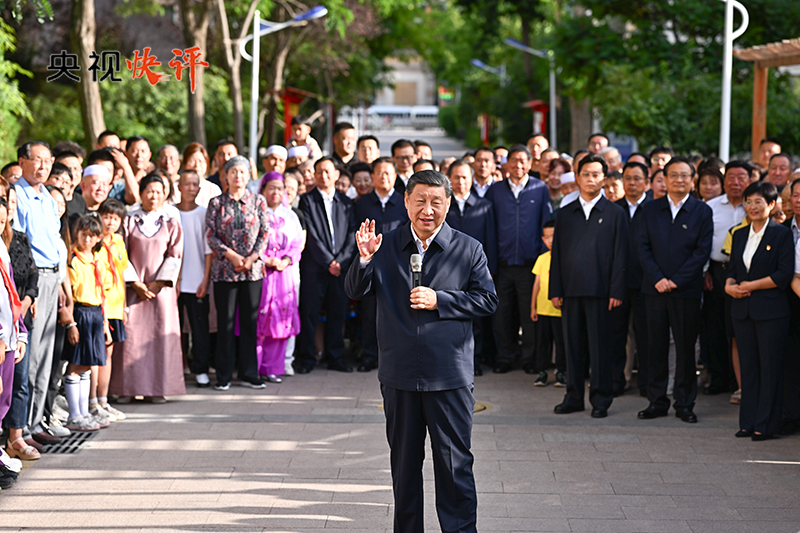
(480, 407)
(71, 444)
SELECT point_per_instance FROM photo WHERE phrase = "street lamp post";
(261, 28)
(501, 72)
(550, 56)
(727, 70)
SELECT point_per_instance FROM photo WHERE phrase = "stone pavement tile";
(372, 474)
(520, 501)
(511, 476)
(741, 503)
(561, 511)
(594, 456)
(558, 488)
(617, 501)
(668, 489)
(719, 526)
(600, 438)
(339, 523)
(679, 513)
(580, 525)
(574, 476)
(676, 469)
(345, 510)
(728, 479)
(521, 524)
(772, 514)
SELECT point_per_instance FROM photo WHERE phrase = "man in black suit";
(426, 349)
(791, 386)
(635, 185)
(587, 281)
(330, 248)
(474, 216)
(385, 206)
(674, 245)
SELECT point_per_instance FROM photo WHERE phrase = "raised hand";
(368, 243)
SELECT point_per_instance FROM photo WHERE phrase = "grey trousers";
(40, 348)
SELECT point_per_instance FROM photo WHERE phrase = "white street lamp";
(261, 28)
(492, 70)
(727, 69)
(550, 56)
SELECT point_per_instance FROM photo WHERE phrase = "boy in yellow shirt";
(547, 317)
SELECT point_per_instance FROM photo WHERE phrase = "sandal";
(26, 453)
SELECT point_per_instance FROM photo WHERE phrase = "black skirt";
(91, 347)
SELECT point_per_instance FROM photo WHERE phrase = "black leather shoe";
(301, 368)
(44, 437)
(789, 427)
(651, 412)
(599, 413)
(762, 437)
(339, 366)
(502, 368)
(686, 415)
(742, 433)
(530, 369)
(366, 366)
(565, 409)
(478, 370)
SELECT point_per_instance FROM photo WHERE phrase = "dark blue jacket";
(319, 252)
(633, 273)
(478, 222)
(426, 350)
(519, 221)
(774, 258)
(386, 218)
(676, 250)
(589, 256)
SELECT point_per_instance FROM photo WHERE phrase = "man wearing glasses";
(674, 245)
(404, 156)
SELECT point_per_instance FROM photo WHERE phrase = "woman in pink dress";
(149, 363)
(278, 317)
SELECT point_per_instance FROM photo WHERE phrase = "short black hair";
(593, 158)
(59, 168)
(787, 156)
(549, 224)
(301, 120)
(424, 161)
(597, 134)
(460, 163)
(322, 160)
(498, 147)
(655, 174)
(224, 142)
(795, 182)
(63, 154)
(640, 154)
(468, 153)
(89, 223)
(662, 150)
(534, 135)
(485, 149)
(69, 146)
(765, 189)
(614, 175)
(636, 164)
(155, 176)
(103, 154)
(136, 139)
(420, 142)
(402, 143)
(9, 165)
(111, 206)
(712, 161)
(360, 167)
(584, 151)
(679, 159)
(107, 133)
(431, 178)
(382, 161)
(713, 172)
(340, 126)
(738, 163)
(367, 138)
(769, 140)
(517, 148)
(24, 151)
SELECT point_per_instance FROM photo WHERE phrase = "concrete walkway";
(310, 454)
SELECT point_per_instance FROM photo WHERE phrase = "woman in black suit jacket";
(761, 267)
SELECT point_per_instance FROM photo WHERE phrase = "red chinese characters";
(189, 58)
(141, 65)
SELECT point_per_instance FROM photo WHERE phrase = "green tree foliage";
(12, 102)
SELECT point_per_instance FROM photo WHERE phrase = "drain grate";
(72, 444)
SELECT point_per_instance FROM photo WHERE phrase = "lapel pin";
(684, 226)
(600, 221)
(769, 247)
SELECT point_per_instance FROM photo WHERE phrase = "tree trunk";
(195, 21)
(526, 32)
(83, 42)
(580, 123)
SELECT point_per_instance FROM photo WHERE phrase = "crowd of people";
(190, 263)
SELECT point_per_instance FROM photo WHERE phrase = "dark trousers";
(447, 417)
(683, 316)
(320, 288)
(791, 383)
(60, 348)
(197, 313)
(761, 357)
(633, 306)
(369, 332)
(246, 296)
(483, 334)
(587, 331)
(514, 285)
(549, 332)
(720, 366)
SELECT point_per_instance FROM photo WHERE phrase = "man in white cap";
(274, 161)
(297, 155)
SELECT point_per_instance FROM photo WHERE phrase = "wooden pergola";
(764, 57)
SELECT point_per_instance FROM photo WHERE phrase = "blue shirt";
(37, 216)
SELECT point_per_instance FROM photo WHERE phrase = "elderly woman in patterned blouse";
(237, 234)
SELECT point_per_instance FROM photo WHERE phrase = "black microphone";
(416, 269)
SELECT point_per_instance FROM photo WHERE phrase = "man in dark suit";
(474, 216)
(635, 185)
(791, 386)
(386, 207)
(674, 245)
(587, 281)
(330, 248)
(426, 349)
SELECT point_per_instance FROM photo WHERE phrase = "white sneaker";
(97, 412)
(82, 423)
(58, 429)
(110, 409)
(222, 387)
(61, 403)
(257, 385)
(13, 464)
(59, 414)
(202, 380)
(288, 369)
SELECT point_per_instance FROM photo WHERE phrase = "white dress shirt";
(797, 258)
(574, 195)
(385, 199)
(587, 206)
(328, 201)
(423, 247)
(725, 215)
(633, 206)
(795, 229)
(753, 240)
(461, 202)
(676, 207)
(481, 189)
(516, 189)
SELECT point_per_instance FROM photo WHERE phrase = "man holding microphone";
(425, 348)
